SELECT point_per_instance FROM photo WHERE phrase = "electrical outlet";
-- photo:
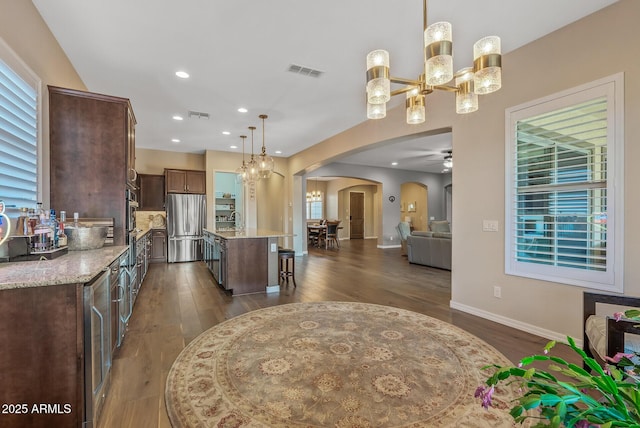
(497, 292)
(274, 247)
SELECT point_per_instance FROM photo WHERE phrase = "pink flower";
(485, 395)
(618, 316)
(616, 358)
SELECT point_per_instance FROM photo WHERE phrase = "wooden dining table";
(316, 230)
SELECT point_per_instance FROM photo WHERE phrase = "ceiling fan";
(435, 156)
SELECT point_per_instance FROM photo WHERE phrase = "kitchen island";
(244, 262)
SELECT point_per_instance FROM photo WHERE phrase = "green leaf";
(516, 411)
(632, 313)
(530, 402)
(550, 399)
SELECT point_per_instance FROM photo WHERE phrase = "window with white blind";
(314, 210)
(19, 113)
(564, 182)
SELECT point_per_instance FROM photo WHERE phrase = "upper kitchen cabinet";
(185, 181)
(151, 192)
(92, 149)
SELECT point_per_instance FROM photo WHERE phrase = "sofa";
(432, 247)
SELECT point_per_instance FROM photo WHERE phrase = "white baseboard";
(273, 289)
(529, 328)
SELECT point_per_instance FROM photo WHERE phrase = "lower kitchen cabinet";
(57, 342)
(158, 246)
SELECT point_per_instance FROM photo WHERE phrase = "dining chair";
(332, 233)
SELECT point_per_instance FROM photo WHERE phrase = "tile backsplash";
(144, 218)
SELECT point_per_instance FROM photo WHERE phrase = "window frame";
(309, 211)
(612, 278)
(18, 66)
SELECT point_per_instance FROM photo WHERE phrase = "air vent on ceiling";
(198, 115)
(305, 71)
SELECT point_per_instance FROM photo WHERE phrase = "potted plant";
(568, 395)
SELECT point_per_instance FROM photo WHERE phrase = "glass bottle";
(55, 226)
(62, 236)
(33, 220)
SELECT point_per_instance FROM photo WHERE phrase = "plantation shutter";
(560, 188)
(18, 140)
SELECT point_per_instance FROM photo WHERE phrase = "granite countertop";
(249, 233)
(73, 267)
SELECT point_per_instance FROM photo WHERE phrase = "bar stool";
(284, 256)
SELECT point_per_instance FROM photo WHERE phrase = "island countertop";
(73, 267)
(248, 233)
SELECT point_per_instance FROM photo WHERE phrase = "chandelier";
(315, 195)
(484, 77)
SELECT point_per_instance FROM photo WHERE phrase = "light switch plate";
(489, 225)
(274, 247)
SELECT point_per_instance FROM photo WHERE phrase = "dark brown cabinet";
(185, 181)
(150, 192)
(92, 152)
(158, 246)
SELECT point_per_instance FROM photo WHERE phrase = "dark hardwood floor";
(179, 301)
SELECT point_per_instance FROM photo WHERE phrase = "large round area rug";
(333, 364)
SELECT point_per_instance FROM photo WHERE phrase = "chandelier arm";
(446, 88)
(404, 81)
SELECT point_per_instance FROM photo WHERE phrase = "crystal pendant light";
(378, 83)
(487, 65)
(376, 111)
(252, 165)
(415, 107)
(466, 98)
(241, 172)
(265, 162)
(438, 45)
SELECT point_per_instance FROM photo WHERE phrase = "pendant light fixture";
(252, 166)
(241, 172)
(265, 162)
(484, 77)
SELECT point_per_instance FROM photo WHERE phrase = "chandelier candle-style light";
(265, 162)
(483, 78)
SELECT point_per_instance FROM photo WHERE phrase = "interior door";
(356, 208)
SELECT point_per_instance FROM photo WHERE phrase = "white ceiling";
(238, 53)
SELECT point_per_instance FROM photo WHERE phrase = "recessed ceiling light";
(394, 163)
(242, 110)
(176, 117)
(175, 140)
(182, 74)
(233, 147)
(278, 152)
(226, 133)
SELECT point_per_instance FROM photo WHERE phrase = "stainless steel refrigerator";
(186, 218)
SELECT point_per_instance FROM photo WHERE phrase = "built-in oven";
(132, 206)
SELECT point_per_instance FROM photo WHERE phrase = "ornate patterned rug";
(333, 364)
